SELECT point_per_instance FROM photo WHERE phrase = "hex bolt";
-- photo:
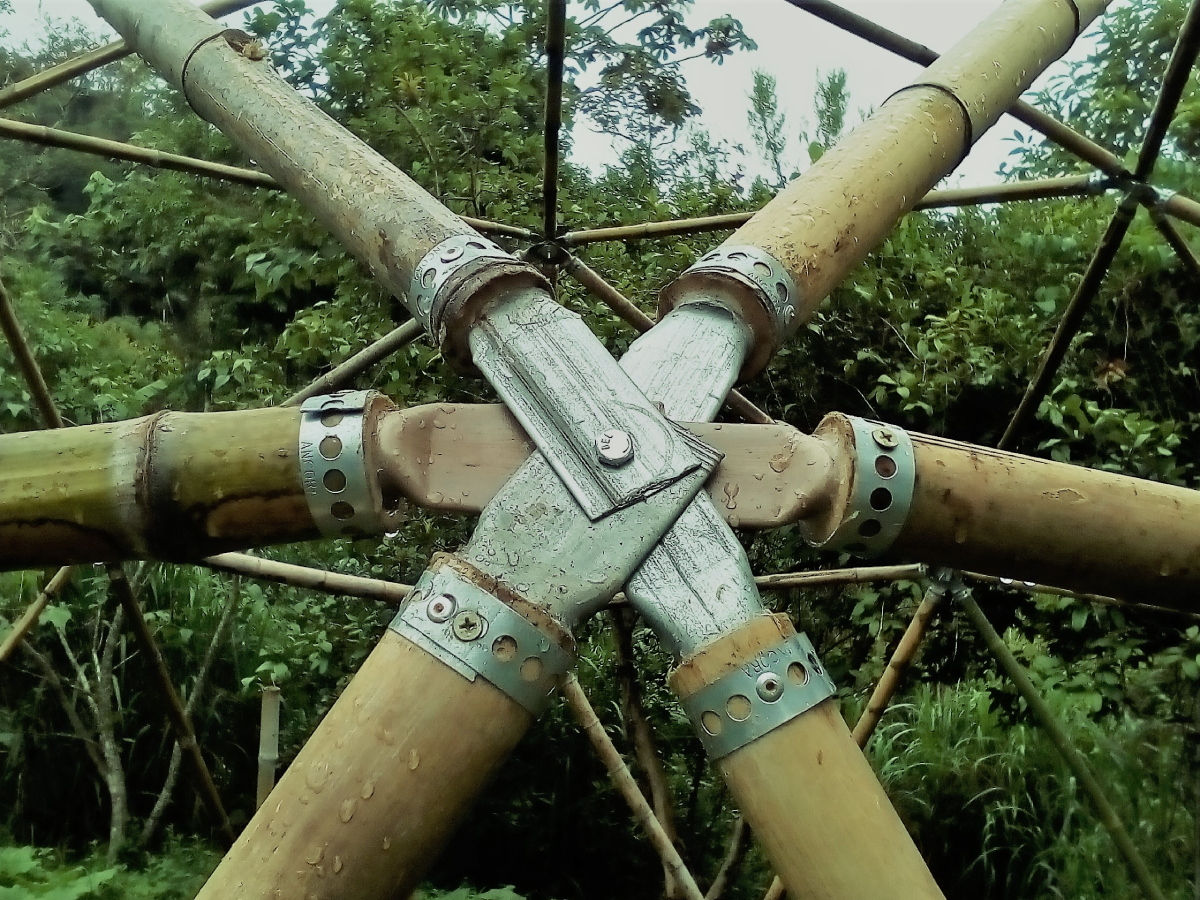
(440, 608)
(614, 447)
(885, 438)
(469, 625)
(769, 686)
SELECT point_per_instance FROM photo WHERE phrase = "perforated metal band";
(884, 476)
(333, 465)
(753, 699)
(475, 634)
(436, 267)
(759, 270)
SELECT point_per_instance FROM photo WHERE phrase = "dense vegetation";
(143, 290)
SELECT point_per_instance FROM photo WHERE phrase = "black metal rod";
(556, 40)
(1072, 318)
(1183, 57)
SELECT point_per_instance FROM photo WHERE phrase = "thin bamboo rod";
(1033, 587)
(1181, 207)
(628, 312)
(556, 41)
(34, 611)
(158, 159)
(346, 372)
(26, 362)
(308, 577)
(94, 59)
(624, 782)
(1176, 240)
(268, 744)
(1037, 189)
(1057, 132)
(1070, 323)
(857, 575)
(1045, 717)
(1183, 56)
(181, 723)
(902, 657)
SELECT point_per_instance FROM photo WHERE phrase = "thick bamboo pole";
(581, 707)
(94, 59)
(345, 373)
(1037, 189)
(394, 765)
(626, 310)
(268, 744)
(1182, 207)
(1069, 324)
(171, 705)
(33, 612)
(26, 363)
(826, 221)
(1057, 132)
(809, 793)
(1045, 716)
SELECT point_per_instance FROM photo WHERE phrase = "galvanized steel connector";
(753, 284)
(456, 280)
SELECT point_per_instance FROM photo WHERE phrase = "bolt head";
(886, 438)
(469, 625)
(450, 254)
(440, 608)
(614, 447)
(769, 686)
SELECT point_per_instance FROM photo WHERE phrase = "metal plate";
(482, 636)
(884, 476)
(333, 464)
(756, 698)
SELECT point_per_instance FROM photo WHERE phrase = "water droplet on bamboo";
(414, 760)
(368, 790)
(337, 865)
(346, 812)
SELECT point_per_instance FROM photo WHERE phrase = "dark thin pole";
(1182, 251)
(556, 40)
(1178, 70)
(628, 311)
(181, 724)
(338, 377)
(94, 59)
(1068, 326)
(1049, 722)
(26, 362)
(1066, 137)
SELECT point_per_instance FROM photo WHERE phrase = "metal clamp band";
(439, 264)
(772, 689)
(884, 476)
(475, 634)
(333, 464)
(760, 271)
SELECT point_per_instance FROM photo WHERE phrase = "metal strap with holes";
(759, 270)
(884, 476)
(753, 699)
(436, 267)
(475, 634)
(333, 464)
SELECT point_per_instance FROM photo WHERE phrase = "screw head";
(614, 447)
(440, 608)
(885, 438)
(769, 686)
(469, 625)
(450, 254)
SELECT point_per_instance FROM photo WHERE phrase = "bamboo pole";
(345, 373)
(856, 575)
(624, 782)
(268, 744)
(26, 362)
(307, 577)
(1176, 241)
(1036, 189)
(168, 697)
(556, 40)
(1055, 131)
(1069, 324)
(1181, 207)
(33, 612)
(1032, 587)
(628, 311)
(1045, 717)
(1183, 56)
(94, 59)
(808, 792)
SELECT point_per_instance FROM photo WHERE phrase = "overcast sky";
(792, 45)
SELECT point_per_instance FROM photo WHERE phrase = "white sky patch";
(793, 45)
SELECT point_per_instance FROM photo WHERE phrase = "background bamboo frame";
(552, 248)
